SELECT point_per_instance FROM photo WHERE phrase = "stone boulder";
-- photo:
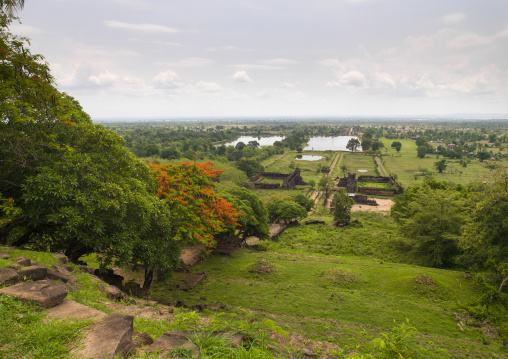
(141, 339)
(61, 273)
(9, 276)
(4, 256)
(15, 266)
(114, 293)
(33, 263)
(111, 337)
(70, 309)
(85, 269)
(171, 340)
(34, 272)
(23, 261)
(62, 258)
(43, 292)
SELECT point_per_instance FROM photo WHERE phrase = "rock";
(15, 266)
(171, 340)
(4, 256)
(71, 309)
(200, 307)
(114, 293)
(85, 269)
(62, 258)
(141, 339)
(43, 292)
(109, 338)
(23, 261)
(33, 263)
(63, 268)
(60, 273)
(9, 276)
(309, 352)
(34, 272)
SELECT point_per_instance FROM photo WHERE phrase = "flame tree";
(187, 188)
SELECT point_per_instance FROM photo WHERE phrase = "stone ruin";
(353, 185)
(289, 181)
(359, 199)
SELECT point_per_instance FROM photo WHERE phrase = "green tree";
(421, 151)
(485, 238)
(253, 217)
(74, 186)
(341, 206)
(483, 155)
(432, 215)
(284, 210)
(367, 143)
(10, 7)
(305, 202)
(250, 167)
(440, 165)
(343, 168)
(353, 144)
(397, 145)
(325, 185)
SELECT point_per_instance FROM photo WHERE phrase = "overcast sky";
(166, 58)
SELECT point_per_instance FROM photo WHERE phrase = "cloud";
(259, 67)
(166, 79)
(149, 28)
(204, 86)
(278, 62)
(25, 29)
(241, 76)
(353, 78)
(454, 18)
(105, 78)
(289, 85)
(188, 62)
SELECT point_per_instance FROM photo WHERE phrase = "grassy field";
(358, 161)
(333, 298)
(410, 169)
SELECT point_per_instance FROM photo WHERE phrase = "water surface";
(325, 143)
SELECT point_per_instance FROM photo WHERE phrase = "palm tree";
(10, 7)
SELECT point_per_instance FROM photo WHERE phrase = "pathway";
(380, 167)
(334, 164)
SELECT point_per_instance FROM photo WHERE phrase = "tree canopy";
(284, 210)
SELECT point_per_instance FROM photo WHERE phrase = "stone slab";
(9, 276)
(34, 272)
(111, 337)
(43, 292)
(71, 309)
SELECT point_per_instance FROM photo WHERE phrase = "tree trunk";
(502, 284)
(148, 279)
(5, 228)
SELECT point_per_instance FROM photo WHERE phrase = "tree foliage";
(187, 188)
(485, 238)
(440, 165)
(341, 206)
(70, 185)
(284, 210)
(253, 218)
(397, 145)
(353, 144)
(432, 215)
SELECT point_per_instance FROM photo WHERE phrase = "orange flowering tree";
(188, 190)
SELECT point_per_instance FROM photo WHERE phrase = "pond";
(322, 143)
(263, 141)
(308, 158)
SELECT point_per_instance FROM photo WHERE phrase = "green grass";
(409, 168)
(25, 334)
(358, 161)
(43, 258)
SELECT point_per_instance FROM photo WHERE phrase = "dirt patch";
(264, 267)
(384, 205)
(338, 277)
(423, 279)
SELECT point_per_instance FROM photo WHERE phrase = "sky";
(154, 59)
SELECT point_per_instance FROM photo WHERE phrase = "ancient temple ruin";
(289, 181)
(358, 185)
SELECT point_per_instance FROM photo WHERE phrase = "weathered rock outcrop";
(43, 292)
(73, 310)
(61, 273)
(171, 340)
(4, 256)
(9, 276)
(110, 337)
(34, 272)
